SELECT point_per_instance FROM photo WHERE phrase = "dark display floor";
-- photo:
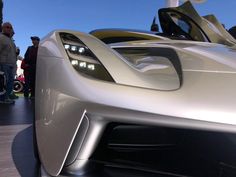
(195, 153)
(16, 141)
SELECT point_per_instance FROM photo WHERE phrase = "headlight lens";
(83, 59)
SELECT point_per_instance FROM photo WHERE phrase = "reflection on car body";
(140, 103)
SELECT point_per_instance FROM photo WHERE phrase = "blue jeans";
(8, 71)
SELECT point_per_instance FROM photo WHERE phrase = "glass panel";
(187, 26)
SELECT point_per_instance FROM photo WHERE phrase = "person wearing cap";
(7, 60)
(30, 61)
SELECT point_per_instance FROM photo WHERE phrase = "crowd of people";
(9, 56)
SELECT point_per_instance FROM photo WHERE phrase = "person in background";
(30, 60)
(12, 94)
(25, 68)
(7, 60)
(17, 71)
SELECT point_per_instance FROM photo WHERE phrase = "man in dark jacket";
(30, 61)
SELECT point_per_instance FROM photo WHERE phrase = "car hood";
(195, 56)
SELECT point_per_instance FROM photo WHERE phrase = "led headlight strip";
(83, 59)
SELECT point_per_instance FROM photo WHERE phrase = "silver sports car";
(133, 103)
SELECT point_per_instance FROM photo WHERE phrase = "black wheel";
(18, 86)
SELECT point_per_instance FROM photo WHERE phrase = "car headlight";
(83, 59)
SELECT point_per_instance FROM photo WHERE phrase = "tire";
(18, 86)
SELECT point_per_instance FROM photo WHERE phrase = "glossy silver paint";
(64, 98)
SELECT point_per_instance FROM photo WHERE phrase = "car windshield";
(188, 27)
